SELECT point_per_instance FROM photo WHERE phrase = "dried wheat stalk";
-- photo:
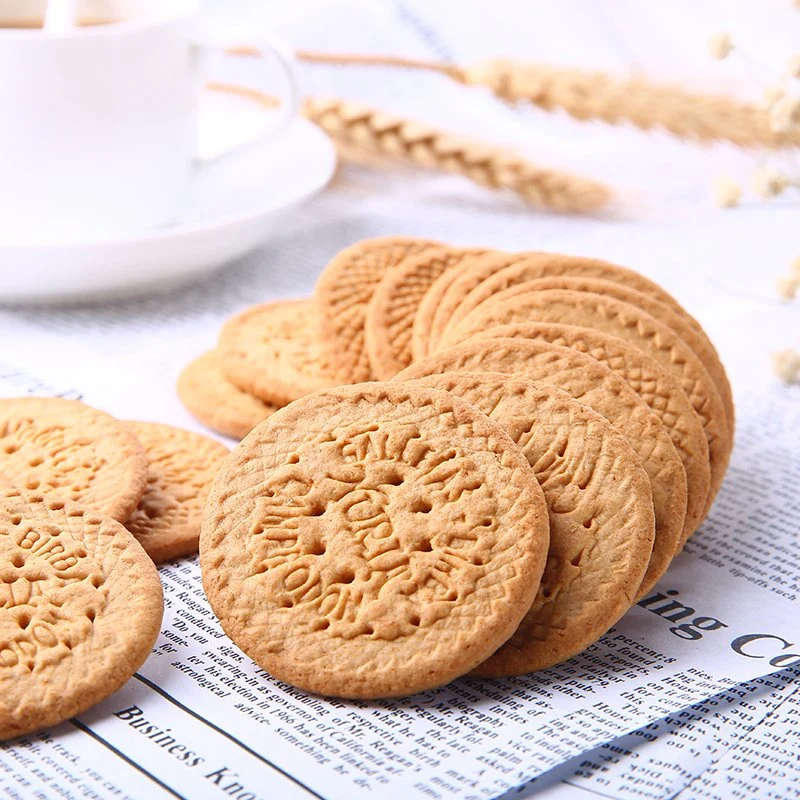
(372, 131)
(364, 132)
(596, 95)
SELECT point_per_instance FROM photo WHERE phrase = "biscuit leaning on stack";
(80, 598)
(353, 510)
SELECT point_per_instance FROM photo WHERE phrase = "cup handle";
(260, 48)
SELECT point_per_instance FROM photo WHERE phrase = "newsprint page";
(694, 694)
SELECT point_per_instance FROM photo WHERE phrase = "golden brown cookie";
(594, 385)
(654, 384)
(601, 516)
(589, 310)
(543, 265)
(213, 400)
(446, 294)
(182, 466)
(391, 312)
(80, 609)
(273, 351)
(66, 447)
(373, 540)
(678, 321)
(343, 292)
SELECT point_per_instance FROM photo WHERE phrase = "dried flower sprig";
(767, 184)
(782, 110)
(720, 46)
(588, 95)
(788, 286)
(725, 192)
(786, 364)
(364, 132)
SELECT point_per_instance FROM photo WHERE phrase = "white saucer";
(233, 205)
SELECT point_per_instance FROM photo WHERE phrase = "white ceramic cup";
(97, 123)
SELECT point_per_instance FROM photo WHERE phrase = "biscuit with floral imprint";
(77, 452)
(272, 351)
(594, 385)
(182, 467)
(446, 294)
(80, 609)
(373, 540)
(678, 321)
(213, 400)
(601, 516)
(343, 293)
(390, 313)
(626, 321)
(654, 384)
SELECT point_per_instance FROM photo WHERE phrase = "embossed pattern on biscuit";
(601, 515)
(652, 382)
(596, 386)
(82, 454)
(343, 292)
(373, 540)
(273, 351)
(391, 311)
(678, 321)
(589, 310)
(544, 265)
(446, 295)
(182, 466)
(80, 608)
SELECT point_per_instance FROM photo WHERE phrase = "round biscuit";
(373, 540)
(655, 385)
(342, 295)
(49, 444)
(393, 307)
(272, 351)
(181, 468)
(600, 506)
(626, 321)
(80, 609)
(594, 385)
(216, 402)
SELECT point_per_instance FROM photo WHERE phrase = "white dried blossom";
(725, 191)
(784, 113)
(768, 183)
(787, 286)
(787, 365)
(720, 45)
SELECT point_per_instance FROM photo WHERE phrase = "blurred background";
(666, 42)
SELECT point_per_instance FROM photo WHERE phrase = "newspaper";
(663, 758)
(690, 690)
(764, 763)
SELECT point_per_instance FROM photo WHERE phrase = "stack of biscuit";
(451, 413)
(88, 505)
